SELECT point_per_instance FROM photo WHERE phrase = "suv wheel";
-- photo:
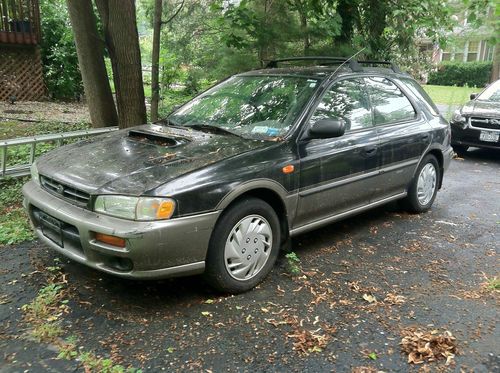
(243, 247)
(423, 188)
(460, 149)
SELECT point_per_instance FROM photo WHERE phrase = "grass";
(14, 226)
(10, 129)
(293, 264)
(493, 283)
(44, 314)
(445, 95)
(450, 97)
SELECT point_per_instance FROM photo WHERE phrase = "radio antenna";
(349, 60)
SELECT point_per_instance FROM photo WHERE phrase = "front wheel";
(424, 186)
(243, 247)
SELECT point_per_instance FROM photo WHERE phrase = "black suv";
(223, 182)
(477, 123)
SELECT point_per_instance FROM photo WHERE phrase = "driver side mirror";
(473, 96)
(327, 128)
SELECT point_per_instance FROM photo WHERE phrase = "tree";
(89, 48)
(122, 40)
(59, 58)
(155, 86)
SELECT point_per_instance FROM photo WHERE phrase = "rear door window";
(390, 105)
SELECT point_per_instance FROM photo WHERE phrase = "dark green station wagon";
(228, 178)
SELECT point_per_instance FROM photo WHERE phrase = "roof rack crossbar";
(393, 66)
(353, 64)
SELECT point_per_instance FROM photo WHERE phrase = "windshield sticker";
(260, 129)
(272, 131)
(312, 83)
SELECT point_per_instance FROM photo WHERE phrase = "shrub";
(59, 58)
(472, 74)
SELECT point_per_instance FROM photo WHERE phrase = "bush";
(472, 74)
(59, 58)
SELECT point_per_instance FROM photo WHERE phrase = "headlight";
(458, 118)
(34, 173)
(135, 208)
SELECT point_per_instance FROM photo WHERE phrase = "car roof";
(321, 72)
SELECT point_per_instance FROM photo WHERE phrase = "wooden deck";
(19, 22)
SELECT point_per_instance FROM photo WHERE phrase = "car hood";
(481, 108)
(139, 159)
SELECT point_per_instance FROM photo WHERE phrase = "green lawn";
(445, 95)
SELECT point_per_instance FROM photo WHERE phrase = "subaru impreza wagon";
(223, 182)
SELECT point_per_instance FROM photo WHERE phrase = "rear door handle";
(370, 150)
(425, 136)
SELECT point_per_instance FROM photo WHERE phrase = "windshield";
(256, 107)
(492, 93)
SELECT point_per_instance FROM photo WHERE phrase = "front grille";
(64, 191)
(487, 123)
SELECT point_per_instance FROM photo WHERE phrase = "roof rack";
(353, 64)
(392, 65)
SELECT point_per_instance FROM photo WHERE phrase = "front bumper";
(470, 137)
(154, 250)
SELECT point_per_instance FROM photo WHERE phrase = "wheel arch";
(270, 192)
(438, 154)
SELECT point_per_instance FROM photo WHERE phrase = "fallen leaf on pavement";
(369, 298)
(428, 346)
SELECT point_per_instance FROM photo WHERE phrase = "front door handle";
(370, 150)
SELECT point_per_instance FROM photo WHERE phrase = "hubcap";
(426, 184)
(248, 247)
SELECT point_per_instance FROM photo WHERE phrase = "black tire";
(412, 203)
(216, 273)
(461, 150)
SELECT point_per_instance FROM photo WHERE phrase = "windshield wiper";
(212, 129)
(170, 123)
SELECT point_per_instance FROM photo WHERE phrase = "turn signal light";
(288, 169)
(165, 209)
(110, 240)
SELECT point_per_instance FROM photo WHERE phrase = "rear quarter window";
(419, 93)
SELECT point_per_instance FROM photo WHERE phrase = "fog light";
(121, 264)
(110, 240)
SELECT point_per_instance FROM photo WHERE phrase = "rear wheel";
(243, 247)
(423, 188)
(460, 149)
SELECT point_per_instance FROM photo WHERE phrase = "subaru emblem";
(60, 189)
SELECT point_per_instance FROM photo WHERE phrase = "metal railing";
(23, 169)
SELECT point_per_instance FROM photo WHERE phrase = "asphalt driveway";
(364, 282)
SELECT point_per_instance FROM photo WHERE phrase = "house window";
(446, 56)
(488, 53)
(473, 51)
(454, 53)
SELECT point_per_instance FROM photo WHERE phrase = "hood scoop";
(158, 139)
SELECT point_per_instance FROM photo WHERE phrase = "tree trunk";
(375, 28)
(122, 40)
(155, 87)
(89, 48)
(495, 69)
(305, 31)
(348, 12)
